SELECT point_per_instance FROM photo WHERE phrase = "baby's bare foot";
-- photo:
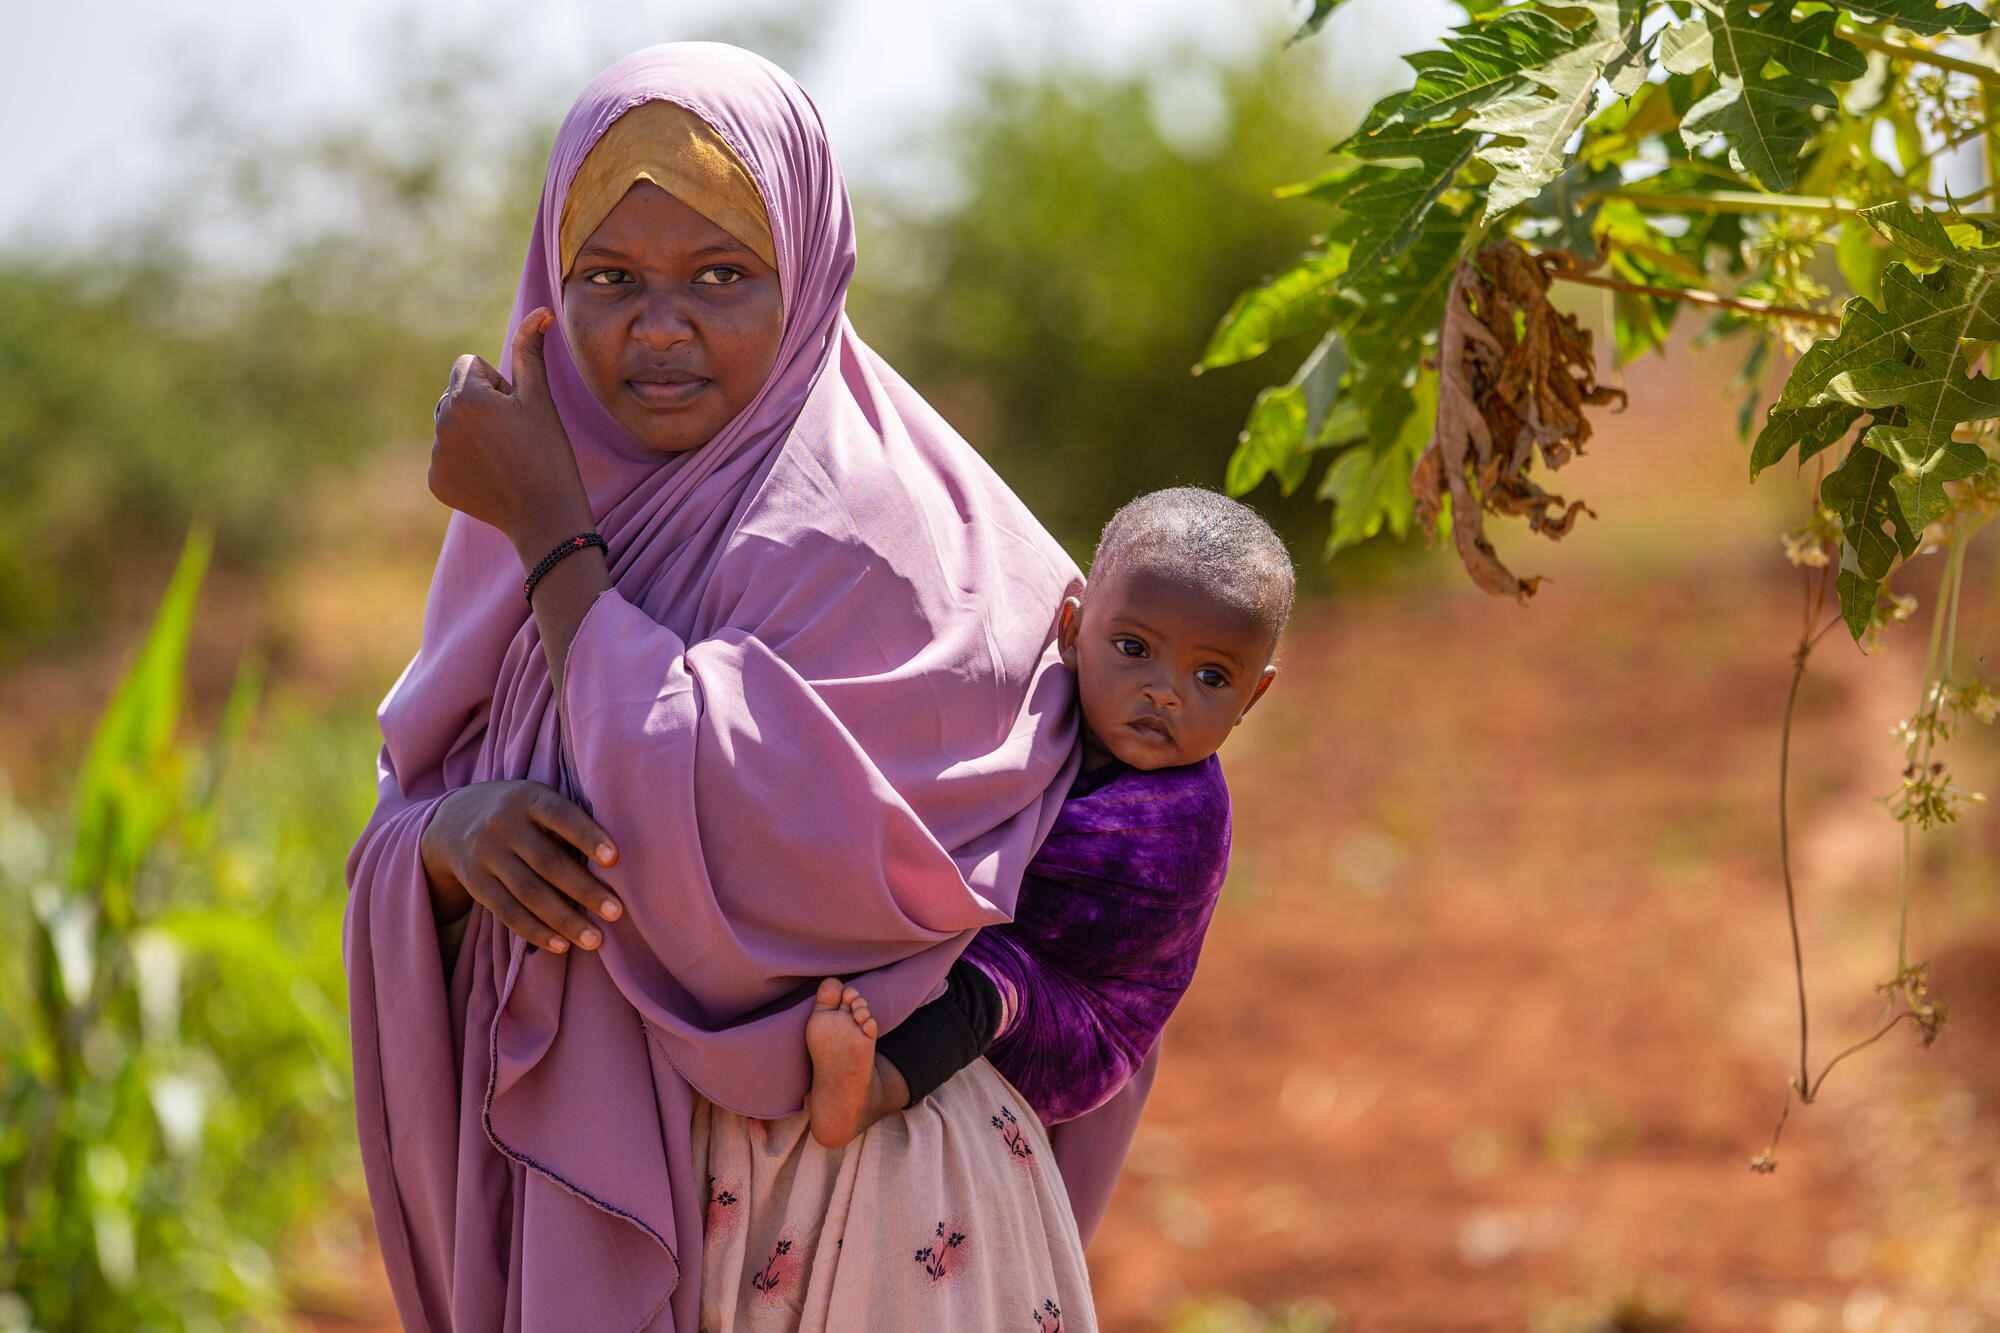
(840, 1038)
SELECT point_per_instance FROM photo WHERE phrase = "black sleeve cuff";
(945, 1035)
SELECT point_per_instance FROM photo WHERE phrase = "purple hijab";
(822, 716)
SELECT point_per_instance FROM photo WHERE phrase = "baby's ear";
(1263, 684)
(1068, 620)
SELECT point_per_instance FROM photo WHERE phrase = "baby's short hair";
(1209, 540)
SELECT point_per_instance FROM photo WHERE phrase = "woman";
(805, 720)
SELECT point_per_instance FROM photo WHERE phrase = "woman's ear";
(1068, 620)
(1263, 684)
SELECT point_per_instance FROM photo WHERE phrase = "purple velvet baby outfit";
(1106, 933)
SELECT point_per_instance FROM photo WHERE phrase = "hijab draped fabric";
(669, 145)
(820, 713)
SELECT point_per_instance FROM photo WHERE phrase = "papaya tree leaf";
(1858, 596)
(1322, 10)
(1862, 492)
(1767, 124)
(1533, 124)
(1920, 484)
(1293, 302)
(1275, 430)
(1383, 202)
(1922, 16)
(1478, 61)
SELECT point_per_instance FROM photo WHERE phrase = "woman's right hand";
(523, 851)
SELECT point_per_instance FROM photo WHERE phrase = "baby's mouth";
(1152, 727)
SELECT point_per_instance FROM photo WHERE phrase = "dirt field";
(1498, 1007)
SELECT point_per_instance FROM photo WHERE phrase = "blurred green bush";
(175, 1088)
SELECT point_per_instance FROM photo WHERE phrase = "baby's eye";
(721, 275)
(1213, 677)
(607, 277)
(1129, 646)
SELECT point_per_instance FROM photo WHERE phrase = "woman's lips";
(667, 391)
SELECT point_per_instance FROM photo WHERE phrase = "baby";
(1171, 643)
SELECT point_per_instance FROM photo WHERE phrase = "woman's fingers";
(552, 860)
(566, 819)
(552, 909)
(499, 899)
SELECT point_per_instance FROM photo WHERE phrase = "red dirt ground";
(1498, 1007)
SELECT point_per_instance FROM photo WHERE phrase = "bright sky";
(92, 91)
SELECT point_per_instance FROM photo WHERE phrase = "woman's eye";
(1129, 646)
(720, 276)
(608, 277)
(1214, 679)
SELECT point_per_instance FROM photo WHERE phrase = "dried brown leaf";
(1514, 377)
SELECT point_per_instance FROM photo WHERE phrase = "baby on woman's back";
(1171, 642)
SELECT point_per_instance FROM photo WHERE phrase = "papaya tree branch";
(1868, 41)
(1695, 296)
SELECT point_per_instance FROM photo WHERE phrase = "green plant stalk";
(1733, 201)
(1917, 54)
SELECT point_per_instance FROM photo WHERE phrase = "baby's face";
(1164, 668)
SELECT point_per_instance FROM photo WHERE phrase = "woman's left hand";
(501, 454)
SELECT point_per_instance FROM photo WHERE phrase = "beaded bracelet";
(556, 557)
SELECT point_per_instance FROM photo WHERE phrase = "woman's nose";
(661, 323)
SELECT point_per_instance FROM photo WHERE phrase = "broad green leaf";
(1858, 596)
(1933, 399)
(1369, 486)
(1319, 377)
(1920, 485)
(1923, 234)
(1322, 10)
(1744, 42)
(1811, 428)
(1533, 124)
(130, 782)
(1862, 261)
(1275, 430)
(1688, 47)
(1862, 492)
(1383, 202)
(1297, 300)
(1766, 123)
(1478, 62)
(1922, 16)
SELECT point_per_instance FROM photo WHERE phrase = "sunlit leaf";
(1296, 301)
(1922, 16)
(1862, 492)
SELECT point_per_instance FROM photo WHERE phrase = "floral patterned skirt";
(957, 1216)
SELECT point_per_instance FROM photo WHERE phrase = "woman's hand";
(522, 851)
(501, 455)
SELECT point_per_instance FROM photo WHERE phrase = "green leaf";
(1767, 120)
(1922, 16)
(1369, 488)
(1862, 261)
(1744, 42)
(1923, 234)
(1275, 430)
(1322, 10)
(1533, 123)
(1766, 123)
(1811, 428)
(1319, 377)
(1862, 492)
(1920, 485)
(1384, 201)
(1478, 62)
(129, 785)
(1297, 300)
(1858, 596)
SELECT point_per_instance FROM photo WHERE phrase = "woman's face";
(673, 323)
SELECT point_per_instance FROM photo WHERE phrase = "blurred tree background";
(1487, 1024)
(255, 357)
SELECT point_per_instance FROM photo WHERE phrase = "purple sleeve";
(1107, 934)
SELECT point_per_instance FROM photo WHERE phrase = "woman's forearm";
(563, 596)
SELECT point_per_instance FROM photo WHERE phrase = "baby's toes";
(851, 997)
(829, 994)
(869, 1026)
(860, 1011)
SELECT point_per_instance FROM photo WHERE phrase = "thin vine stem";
(1695, 296)
(1919, 55)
